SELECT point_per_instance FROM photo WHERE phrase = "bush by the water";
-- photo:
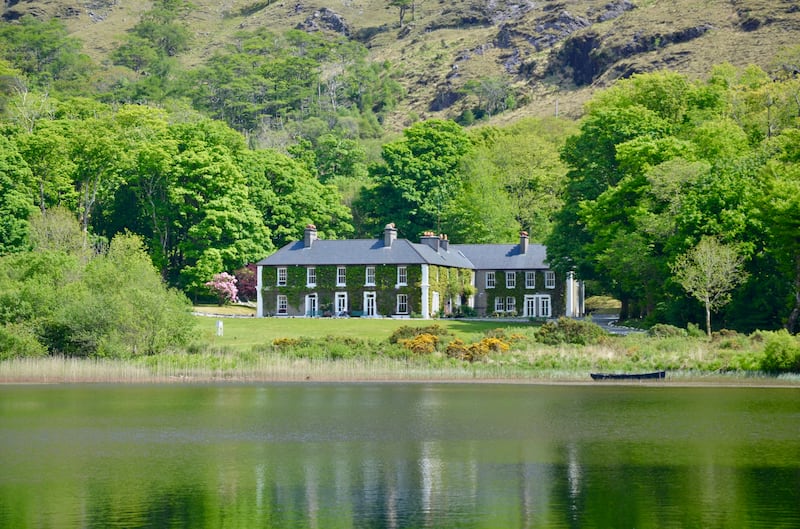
(781, 352)
(110, 304)
(567, 330)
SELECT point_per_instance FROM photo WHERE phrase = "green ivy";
(355, 277)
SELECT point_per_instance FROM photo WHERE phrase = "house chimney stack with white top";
(443, 242)
(310, 235)
(523, 242)
(431, 239)
(389, 235)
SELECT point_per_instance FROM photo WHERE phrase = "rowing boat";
(629, 376)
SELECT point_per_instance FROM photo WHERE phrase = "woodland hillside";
(524, 57)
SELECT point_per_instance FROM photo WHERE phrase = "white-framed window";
(341, 276)
(282, 305)
(530, 279)
(311, 276)
(549, 279)
(281, 279)
(489, 279)
(369, 280)
(511, 280)
(499, 304)
(511, 304)
(402, 304)
(402, 276)
(544, 307)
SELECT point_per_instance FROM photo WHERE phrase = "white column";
(425, 286)
(570, 286)
(259, 298)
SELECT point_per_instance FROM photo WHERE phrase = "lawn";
(248, 332)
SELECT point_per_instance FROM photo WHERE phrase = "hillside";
(552, 54)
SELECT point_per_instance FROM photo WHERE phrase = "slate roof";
(363, 252)
(503, 256)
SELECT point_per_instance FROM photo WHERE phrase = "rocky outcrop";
(325, 19)
(584, 57)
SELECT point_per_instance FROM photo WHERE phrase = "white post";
(219, 327)
(424, 291)
(570, 295)
(259, 300)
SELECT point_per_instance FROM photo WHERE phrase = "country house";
(391, 277)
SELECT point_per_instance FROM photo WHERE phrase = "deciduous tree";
(709, 271)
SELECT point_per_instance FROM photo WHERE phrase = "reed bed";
(59, 370)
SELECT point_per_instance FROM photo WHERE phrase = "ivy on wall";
(518, 292)
(385, 287)
(449, 283)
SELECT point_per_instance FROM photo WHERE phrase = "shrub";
(663, 330)
(475, 351)
(406, 332)
(781, 352)
(421, 344)
(695, 331)
(567, 330)
(17, 341)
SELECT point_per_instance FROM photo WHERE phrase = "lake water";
(399, 456)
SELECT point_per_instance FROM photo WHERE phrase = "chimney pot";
(523, 242)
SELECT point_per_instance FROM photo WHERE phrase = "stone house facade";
(392, 277)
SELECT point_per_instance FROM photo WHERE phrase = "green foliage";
(781, 353)
(407, 332)
(567, 330)
(17, 341)
(664, 330)
(16, 199)
(418, 179)
(114, 304)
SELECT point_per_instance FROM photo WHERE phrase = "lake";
(398, 455)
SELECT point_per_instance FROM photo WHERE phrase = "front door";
(530, 307)
(340, 304)
(369, 305)
(311, 306)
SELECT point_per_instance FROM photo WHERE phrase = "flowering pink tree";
(224, 286)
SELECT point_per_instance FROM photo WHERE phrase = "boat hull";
(655, 375)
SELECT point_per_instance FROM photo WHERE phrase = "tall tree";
(418, 179)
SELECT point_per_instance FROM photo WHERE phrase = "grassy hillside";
(552, 53)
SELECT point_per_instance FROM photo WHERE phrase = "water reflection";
(394, 456)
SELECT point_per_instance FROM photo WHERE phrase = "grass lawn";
(248, 332)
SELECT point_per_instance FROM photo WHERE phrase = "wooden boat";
(629, 376)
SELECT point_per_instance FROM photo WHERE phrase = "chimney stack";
(389, 235)
(523, 242)
(443, 242)
(309, 236)
(431, 240)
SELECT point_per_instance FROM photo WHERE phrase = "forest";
(209, 168)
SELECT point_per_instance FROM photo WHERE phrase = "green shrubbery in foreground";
(442, 351)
